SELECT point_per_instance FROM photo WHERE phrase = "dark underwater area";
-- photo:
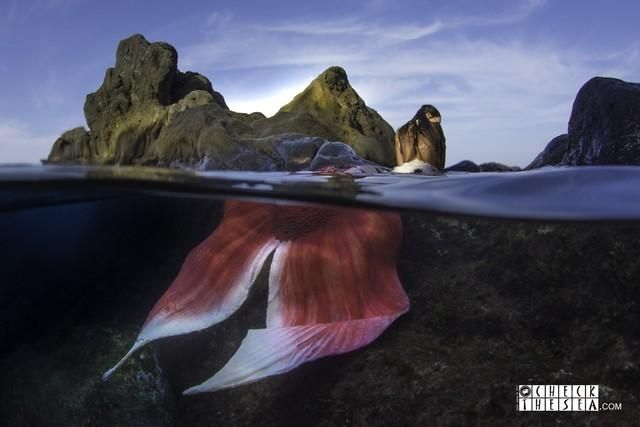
(496, 301)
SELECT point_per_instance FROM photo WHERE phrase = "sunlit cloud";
(266, 103)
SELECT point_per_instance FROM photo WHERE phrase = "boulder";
(552, 154)
(337, 154)
(422, 138)
(497, 167)
(469, 166)
(185, 83)
(604, 128)
(72, 146)
(464, 166)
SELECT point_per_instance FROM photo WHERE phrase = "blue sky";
(502, 73)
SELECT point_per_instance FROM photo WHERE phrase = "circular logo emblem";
(525, 391)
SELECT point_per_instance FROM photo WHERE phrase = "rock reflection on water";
(494, 304)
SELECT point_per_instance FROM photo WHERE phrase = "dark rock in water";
(464, 166)
(469, 166)
(297, 151)
(336, 154)
(59, 378)
(604, 128)
(147, 112)
(497, 167)
(552, 154)
(333, 110)
(422, 138)
(73, 145)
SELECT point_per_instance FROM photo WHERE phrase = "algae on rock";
(147, 112)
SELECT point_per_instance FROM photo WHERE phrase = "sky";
(503, 74)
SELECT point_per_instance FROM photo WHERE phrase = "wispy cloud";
(487, 89)
(405, 31)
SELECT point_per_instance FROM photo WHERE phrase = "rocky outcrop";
(604, 127)
(341, 155)
(464, 166)
(552, 154)
(73, 145)
(469, 166)
(333, 109)
(497, 167)
(126, 114)
(147, 112)
(422, 138)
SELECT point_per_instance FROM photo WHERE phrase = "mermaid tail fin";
(215, 278)
(272, 351)
(331, 291)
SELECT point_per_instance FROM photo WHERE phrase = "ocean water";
(513, 279)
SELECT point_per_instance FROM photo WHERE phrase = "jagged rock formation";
(604, 127)
(422, 138)
(148, 112)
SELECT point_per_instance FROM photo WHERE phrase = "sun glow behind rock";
(270, 102)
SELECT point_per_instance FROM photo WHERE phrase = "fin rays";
(332, 289)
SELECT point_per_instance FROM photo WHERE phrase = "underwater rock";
(147, 112)
(552, 154)
(58, 378)
(604, 128)
(422, 138)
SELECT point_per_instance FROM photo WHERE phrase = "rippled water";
(552, 193)
(512, 278)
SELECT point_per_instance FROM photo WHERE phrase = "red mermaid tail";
(333, 286)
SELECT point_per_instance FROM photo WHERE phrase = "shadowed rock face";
(130, 108)
(73, 145)
(422, 138)
(147, 112)
(604, 127)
